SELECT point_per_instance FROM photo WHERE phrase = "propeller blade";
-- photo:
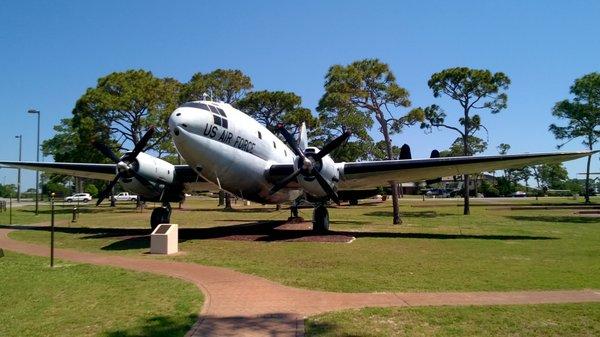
(106, 151)
(106, 191)
(142, 143)
(405, 152)
(282, 183)
(332, 145)
(330, 192)
(289, 139)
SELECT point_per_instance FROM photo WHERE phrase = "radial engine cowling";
(152, 176)
(325, 166)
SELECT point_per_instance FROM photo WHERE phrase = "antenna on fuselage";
(208, 96)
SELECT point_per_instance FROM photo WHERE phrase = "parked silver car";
(79, 197)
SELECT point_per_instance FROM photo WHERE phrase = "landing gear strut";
(294, 211)
(160, 215)
(320, 219)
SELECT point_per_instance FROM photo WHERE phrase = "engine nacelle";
(326, 166)
(159, 174)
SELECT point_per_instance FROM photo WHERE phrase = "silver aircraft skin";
(225, 149)
(235, 155)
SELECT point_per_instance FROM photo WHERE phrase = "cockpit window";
(196, 105)
(219, 118)
(213, 109)
(222, 112)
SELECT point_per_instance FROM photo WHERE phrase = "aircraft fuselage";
(230, 149)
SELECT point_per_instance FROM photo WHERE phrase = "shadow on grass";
(268, 231)
(231, 210)
(317, 328)
(272, 324)
(83, 210)
(409, 214)
(157, 326)
(555, 219)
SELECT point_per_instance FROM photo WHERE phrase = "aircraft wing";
(363, 175)
(183, 173)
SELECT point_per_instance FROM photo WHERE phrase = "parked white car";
(125, 196)
(79, 197)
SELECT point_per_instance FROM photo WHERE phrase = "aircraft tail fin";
(302, 137)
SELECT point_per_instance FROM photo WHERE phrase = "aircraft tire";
(320, 219)
(159, 216)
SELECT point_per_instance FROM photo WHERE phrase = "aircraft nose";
(175, 120)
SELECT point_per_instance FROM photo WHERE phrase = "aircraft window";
(224, 123)
(195, 105)
(285, 152)
(217, 119)
(213, 109)
(222, 112)
(274, 145)
(203, 106)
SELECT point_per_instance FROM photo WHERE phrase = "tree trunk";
(394, 185)
(395, 205)
(228, 201)
(587, 179)
(221, 198)
(466, 209)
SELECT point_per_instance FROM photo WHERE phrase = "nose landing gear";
(160, 215)
(320, 219)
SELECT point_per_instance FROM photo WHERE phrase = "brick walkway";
(238, 304)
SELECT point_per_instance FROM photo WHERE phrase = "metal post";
(74, 217)
(52, 231)
(37, 173)
(10, 209)
(19, 170)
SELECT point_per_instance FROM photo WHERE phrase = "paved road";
(238, 304)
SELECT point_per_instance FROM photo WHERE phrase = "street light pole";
(20, 137)
(37, 173)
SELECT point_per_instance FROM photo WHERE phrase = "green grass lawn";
(516, 320)
(435, 249)
(84, 300)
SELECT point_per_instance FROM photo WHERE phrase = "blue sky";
(51, 51)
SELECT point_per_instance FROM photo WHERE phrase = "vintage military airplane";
(226, 149)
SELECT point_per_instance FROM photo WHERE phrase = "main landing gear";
(160, 215)
(320, 219)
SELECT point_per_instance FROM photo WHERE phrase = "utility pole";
(37, 173)
(20, 137)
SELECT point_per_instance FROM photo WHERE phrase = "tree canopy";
(226, 85)
(273, 107)
(583, 117)
(363, 90)
(476, 145)
(473, 89)
(125, 104)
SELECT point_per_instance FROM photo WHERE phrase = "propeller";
(307, 163)
(125, 164)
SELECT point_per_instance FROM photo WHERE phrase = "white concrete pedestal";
(164, 239)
